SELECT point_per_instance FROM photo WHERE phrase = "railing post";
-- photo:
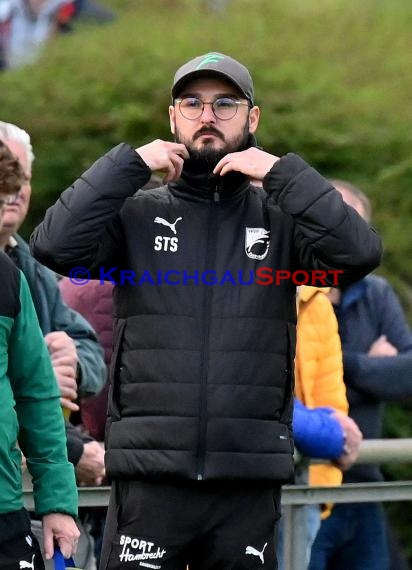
(293, 538)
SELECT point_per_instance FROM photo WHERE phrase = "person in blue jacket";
(377, 359)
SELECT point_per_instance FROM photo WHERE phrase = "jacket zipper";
(204, 366)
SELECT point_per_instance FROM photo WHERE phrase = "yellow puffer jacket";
(318, 366)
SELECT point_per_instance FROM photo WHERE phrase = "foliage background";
(333, 78)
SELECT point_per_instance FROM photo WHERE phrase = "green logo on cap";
(210, 58)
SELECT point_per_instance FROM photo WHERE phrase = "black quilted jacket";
(202, 370)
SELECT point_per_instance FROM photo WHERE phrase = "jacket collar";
(306, 292)
(12, 242)
(208, 186)
(17, 248)
(352, 294)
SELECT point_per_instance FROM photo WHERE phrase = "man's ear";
(172, 119)
(254, 115)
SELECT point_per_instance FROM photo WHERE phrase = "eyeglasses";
(7, 200)
(224, 108)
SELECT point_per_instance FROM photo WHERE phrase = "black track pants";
(219, 526)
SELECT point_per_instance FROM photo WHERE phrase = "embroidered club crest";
(257, 242)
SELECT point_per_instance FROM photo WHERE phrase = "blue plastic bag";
(60, 562)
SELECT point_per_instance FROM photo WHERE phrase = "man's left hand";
(252, 162)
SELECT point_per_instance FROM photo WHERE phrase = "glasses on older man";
(6, 200)
(224, 108)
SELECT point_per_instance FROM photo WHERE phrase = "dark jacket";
(93, 300)
(369, 309)
(76, 441)
(202, 375)
(54, 315)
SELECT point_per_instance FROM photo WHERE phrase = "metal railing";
(295, 497)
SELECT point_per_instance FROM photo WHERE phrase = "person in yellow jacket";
(322, 428)
(319, 377)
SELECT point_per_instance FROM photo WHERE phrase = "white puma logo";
(158, 220)
(251, 550)
(24, 564)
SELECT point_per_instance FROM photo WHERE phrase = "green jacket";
(54, 315)
(31, 414)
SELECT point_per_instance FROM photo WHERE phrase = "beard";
(205, 159)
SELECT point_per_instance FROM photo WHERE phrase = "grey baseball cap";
(216, 64)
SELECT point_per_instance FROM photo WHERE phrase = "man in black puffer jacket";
(199, 434)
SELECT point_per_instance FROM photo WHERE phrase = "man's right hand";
(68, 387)
(353, 439)
(63, 355)
(164, 156)
(62, 529)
